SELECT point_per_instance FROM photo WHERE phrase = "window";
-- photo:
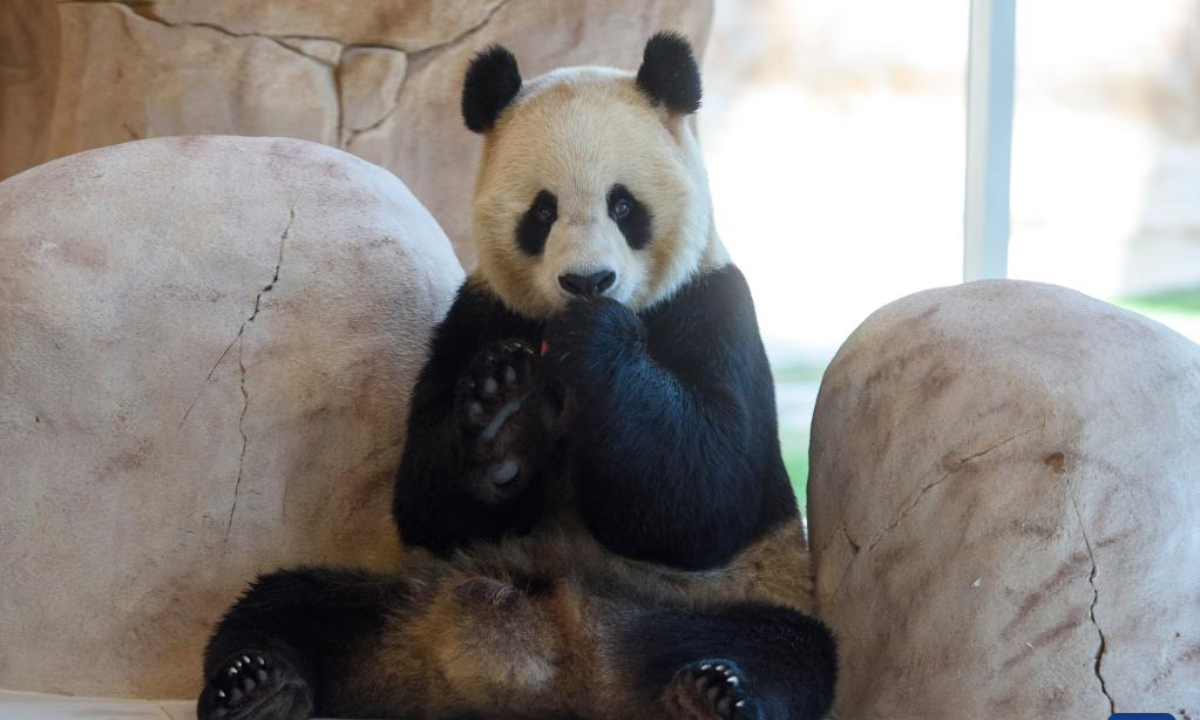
(847, 171)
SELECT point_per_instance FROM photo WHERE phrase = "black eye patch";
(535, 224)
(630, 215)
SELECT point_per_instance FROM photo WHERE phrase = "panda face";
(589, 187)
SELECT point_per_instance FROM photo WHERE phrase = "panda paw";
(710, 690)
(589, 335)
(255, 685)
(492, 392)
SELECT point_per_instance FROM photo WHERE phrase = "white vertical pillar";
(990, 75)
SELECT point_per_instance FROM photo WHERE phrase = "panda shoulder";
(478, 314)
(722, 289)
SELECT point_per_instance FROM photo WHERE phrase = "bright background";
(834, 134)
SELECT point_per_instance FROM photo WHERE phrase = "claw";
(233, 670)
(220, 693)
(732, 681)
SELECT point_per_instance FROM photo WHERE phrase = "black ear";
(491, 83)
(669, 74)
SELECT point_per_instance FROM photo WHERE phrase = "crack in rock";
(1097, 667)
(459, 37)
(336, 78)
(208, 378)
(963, 461)
(242, 329)
(144, 10)
(353, 134)
(237, 487)
(854, 556)
(241, 340)
(343, 137)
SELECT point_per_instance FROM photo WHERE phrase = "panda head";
(591, 181)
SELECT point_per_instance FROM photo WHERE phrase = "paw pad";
(710, 690)
(239, 686)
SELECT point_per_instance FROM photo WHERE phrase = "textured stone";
(133, 78)
(206, 350)
(324, 51)
(369, 80)
(1005, 480)
(80, 75)
(407, 25)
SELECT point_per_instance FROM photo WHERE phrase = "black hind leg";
(743, 661)
(289, 634)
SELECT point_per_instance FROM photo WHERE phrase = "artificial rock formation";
(206, 350)
(380, 78)
(1003, 499)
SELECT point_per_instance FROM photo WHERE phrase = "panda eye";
(534, 225)
(544, 208)
(621, 209)
(631, 216)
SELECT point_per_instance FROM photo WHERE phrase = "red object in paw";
(545, 348)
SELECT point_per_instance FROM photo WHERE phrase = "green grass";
(795, 458)
(793, 439)
(1172, 302)
(797, 372)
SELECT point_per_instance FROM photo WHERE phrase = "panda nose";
(588, 285)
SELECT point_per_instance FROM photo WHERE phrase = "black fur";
(635, 222)
(669, 74)
(671, 439)
(491, 83)
(535, 224)
(310, 626)
(317, 642)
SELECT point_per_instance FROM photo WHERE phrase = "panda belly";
(554, 624)
(774, 569)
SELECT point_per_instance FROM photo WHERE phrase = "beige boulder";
(206, 351)
(1003, 499)
(380, 78)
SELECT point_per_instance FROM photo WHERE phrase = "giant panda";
(597, 516)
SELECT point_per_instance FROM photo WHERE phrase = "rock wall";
(379, 78)
(206, 351)
(1002, 506)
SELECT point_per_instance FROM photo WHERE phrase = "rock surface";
(206, 350)
(1003, 499)
(380, 78)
